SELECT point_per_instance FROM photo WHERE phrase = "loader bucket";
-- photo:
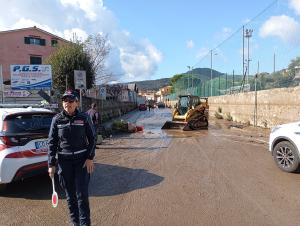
(173, 125)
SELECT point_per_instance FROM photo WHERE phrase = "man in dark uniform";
(72, 139)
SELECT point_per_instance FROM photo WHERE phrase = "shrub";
(228, 116)
(218, 115)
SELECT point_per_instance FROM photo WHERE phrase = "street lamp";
(211, 55)
(248, 35)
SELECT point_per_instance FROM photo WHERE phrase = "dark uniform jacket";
(69, 134)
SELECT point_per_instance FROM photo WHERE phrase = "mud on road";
(220, 176)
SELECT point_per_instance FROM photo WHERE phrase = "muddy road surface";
(220, 176)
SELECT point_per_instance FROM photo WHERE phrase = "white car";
(23, 142)
(284, 144)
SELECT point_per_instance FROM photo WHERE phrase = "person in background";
(94, 115)
(72, 139)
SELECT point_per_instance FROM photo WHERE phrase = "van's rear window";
(33, 122)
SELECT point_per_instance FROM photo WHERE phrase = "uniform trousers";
(75, 180)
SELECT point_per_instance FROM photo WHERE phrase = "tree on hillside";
(88, 56)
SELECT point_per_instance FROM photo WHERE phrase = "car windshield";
(33, 122)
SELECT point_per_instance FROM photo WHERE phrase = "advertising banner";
(30, 77)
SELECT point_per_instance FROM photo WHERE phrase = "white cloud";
(295, 5)
(284, 27)
(190, 44)
(23, 23)
(139, 60)
(88, 6)
(129, 58)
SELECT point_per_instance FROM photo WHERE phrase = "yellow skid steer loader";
(190, 113)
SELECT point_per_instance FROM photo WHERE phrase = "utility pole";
(243, 50)
(255, 97)
(248, 35)
(211, 72)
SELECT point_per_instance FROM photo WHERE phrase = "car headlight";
(275, 128)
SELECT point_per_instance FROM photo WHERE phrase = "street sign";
(102, 93)
(30, 77)
(80, 79)
(16, 93)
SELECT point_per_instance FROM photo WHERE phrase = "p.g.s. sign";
(31, 77)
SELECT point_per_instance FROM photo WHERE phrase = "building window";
(35, 60)
(34, 41)
(54, 42)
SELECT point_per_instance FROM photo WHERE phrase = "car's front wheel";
(286, 156)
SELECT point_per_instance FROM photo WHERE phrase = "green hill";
(201, 74)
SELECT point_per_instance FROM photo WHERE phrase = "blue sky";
(159, 38)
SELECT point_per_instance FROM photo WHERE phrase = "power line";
(238, 30)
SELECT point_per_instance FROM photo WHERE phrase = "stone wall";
(275, 106)
(108, 109)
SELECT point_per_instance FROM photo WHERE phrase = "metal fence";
(228, 84)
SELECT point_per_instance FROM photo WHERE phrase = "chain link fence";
(228, 84)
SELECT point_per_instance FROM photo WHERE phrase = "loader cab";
(183, 104)
(187, 102)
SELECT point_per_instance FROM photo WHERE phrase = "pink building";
(26, 46)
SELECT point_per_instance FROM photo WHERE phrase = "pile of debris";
(127, 127)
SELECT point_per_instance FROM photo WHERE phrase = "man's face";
(69, 105)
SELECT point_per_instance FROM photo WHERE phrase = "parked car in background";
(142, 107)
(23, 143)
(284, 144)
(161, 105)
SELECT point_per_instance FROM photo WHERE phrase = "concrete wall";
(275, 106)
